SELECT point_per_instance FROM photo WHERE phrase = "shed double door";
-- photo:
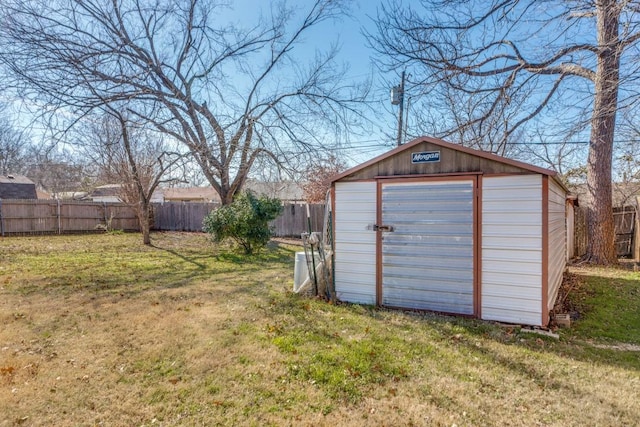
(426, 244)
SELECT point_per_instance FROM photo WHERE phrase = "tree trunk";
(226, 196)
(145, 222)
(601, 248)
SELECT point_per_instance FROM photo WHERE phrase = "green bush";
(246, 221)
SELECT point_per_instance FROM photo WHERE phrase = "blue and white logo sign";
(425, 157)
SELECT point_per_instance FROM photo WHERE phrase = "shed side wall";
(557, 240)
(511, 277)
(355, 246)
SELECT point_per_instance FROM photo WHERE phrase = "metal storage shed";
(437, 226)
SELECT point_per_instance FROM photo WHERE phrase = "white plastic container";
(301, 272)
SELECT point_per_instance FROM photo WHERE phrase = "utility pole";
(397, 97)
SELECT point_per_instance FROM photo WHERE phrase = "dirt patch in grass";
(572, 296)
(102, 330)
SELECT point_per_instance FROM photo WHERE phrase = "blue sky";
(346, 32)
(354, 52)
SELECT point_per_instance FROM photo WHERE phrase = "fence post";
(1, 220)
(636, 231)
(58, 213)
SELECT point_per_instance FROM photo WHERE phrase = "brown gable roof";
(450, 146)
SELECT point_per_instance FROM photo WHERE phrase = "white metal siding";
(557, 240)
(511, 276)
(355, 246)
(427, 260)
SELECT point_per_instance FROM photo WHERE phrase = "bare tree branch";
(492, 53)
(215, 88)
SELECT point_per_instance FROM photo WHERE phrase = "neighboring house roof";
(72, 195)
(17, 187)
(106, 190)
(191, 194)
(111, 193)
(15, 179)
(158, 195)
(287, 191)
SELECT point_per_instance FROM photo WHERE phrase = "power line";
(388, 144)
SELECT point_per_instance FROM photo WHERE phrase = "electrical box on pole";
(396, 95)
(399, 90)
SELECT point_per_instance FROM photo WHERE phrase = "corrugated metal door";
(428, 257)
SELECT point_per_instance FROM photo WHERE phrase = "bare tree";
(560, 153)
(13, 148)
(627, 159)
(451, 114)
(138, 159)
(230, 94)
(52, 168)
(628, 149)
(58, 173)
(496, 50)
(318, 178)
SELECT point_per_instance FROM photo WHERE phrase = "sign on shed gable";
(425, 157)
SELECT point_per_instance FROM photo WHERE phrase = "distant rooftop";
(191, 194)
(14, 179)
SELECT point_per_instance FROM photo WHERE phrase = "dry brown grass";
(99, 330)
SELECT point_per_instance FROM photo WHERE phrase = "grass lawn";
(100, 330)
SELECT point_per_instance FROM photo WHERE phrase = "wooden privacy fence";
(180, 216)
(62, 216)
(580, 231)
(624, 220)
(293, 220)
(627, 232)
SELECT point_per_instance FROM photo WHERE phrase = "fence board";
(624, 219)
(580, 231)
(29, 216)
(180, 216)
(293, 220)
